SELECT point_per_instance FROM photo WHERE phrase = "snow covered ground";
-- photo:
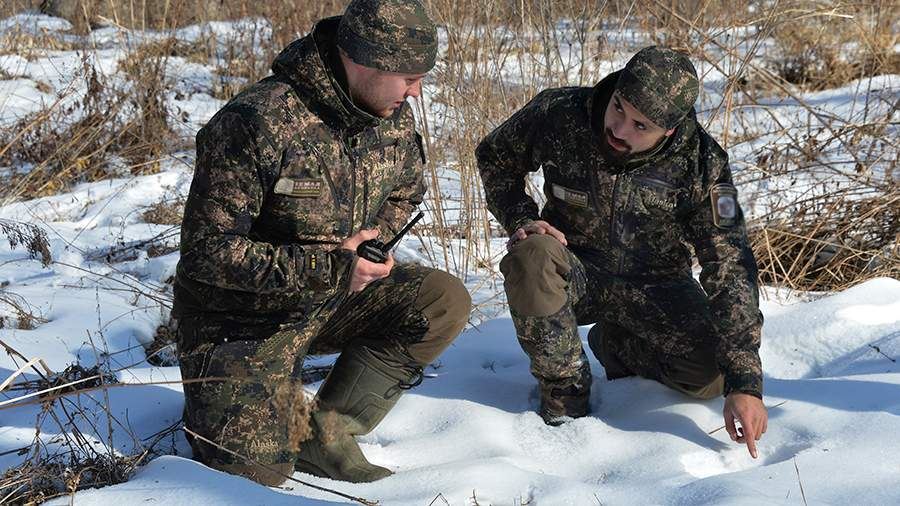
(469, 435)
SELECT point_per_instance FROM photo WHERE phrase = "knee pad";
(445, 302)
(535, 275)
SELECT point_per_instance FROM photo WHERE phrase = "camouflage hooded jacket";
(285, 171)
(634, 220)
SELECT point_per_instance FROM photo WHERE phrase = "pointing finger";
(750, 437)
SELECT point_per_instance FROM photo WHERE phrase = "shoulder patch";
(723, 198)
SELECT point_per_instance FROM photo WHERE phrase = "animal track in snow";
(707, 463)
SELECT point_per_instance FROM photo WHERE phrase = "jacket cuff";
(747, 383)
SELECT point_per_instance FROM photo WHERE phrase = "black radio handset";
(376, 251)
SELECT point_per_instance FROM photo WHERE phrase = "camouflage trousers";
(243, 388)
(656, 328)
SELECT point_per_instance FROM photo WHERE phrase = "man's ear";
(670, 132)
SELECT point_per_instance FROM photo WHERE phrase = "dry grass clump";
(34, 239)
(143, 15)
(834, 205)
(165, 212)
(31, 236)
(36, 482)
(81, 453)
(833, 241)
(118, 128)
(23, 316)
(830, 44)
(31, 46)
(148, 134)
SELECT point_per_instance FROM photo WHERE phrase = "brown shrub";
(165, 212)
(832, 242)
(830, 45)
(120, 126)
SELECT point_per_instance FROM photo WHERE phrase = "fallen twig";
(802, 493)
(20, 370)
(876, 348)
(441, 497)
(14, 403)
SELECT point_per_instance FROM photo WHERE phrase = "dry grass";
(165, 212)
(23, 316)
(33, 238)
(500, 54)
(828, 45)
(832, 242)
(119, 128)
(81, 453)
(486, 74)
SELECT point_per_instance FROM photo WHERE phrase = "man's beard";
(611, 154)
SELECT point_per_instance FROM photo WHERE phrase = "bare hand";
(364, 271)
(751, 413)
(535, 227)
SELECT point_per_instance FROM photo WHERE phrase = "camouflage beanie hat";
(661, 83)
(389, 35)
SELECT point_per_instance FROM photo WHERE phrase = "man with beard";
(631, 180)
(292, 175)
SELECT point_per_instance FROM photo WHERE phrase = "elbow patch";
(723, 198)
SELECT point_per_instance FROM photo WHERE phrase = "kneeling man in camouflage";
(632, 181)
(292, 175)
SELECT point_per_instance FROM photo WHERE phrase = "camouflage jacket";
(285, 171)
(636, 219)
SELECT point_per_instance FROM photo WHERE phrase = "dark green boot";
(358, 393)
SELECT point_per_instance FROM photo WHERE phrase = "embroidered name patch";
(570, 196)
(653, 199)
(299, 187)
(723, 198)
(263, 446)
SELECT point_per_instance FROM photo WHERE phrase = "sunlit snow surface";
(469, 434)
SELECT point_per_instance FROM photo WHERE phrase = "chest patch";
(654, 199)
(570, 196)
(308, 188)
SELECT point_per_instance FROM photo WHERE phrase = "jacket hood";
(304, 65)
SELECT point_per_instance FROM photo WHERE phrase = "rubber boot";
(358, 393)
